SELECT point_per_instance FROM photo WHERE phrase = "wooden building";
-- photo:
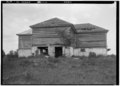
(57, 37)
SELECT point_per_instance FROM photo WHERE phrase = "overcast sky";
(18, 18)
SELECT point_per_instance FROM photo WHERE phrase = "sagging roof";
(80, 28)
(87, 27)
(27, 32)
(52, 22)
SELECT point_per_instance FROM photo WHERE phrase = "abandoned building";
(56, 37)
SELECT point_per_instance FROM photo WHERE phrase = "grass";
(37, 70)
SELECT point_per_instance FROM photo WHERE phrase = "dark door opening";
(58, 51)
(43, 50)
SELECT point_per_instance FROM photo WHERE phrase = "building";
(57, 37)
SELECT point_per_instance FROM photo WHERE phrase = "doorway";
(58, 51)
(43, 50)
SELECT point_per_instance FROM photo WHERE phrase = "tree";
(15, 53)
(66, 37)
(3, 53)
(11, 53)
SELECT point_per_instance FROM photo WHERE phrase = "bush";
(53, 60)
(112, 55)
(77, 57)
(12, 54)
(28, 75)
(25, 63)
(92, 55)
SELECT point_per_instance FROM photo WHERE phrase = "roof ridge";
(87, 27)
(51, 22)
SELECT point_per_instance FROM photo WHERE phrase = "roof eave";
(105, 31)
(23, 34)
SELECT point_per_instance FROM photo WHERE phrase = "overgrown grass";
(41, 70)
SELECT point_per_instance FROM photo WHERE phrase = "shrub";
(92, 55)
(112, 55)
(77, 57)
(100, 56)
(12, 54)
(28, 75)
(38, 56)
(53, 60)
(25, 62)
(51, 65)
(30, 56)
(15, 54)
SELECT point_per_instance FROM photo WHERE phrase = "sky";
(18, 17)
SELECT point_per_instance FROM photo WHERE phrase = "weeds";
(54, 60)
(61, 69)
(25, 63)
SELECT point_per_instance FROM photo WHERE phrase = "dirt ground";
(41, 70)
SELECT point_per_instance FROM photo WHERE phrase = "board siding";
(46, 41)
(48, 30)
(92, 40)
(92, 37)
(25, 42)
(49, 35)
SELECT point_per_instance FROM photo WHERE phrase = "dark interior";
(58, 51)
(43, 50)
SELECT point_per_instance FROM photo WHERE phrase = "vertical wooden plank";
(63, 50)
(71, 51)
(51, 50)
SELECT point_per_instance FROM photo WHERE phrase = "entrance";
(43, 50)
(58, 51)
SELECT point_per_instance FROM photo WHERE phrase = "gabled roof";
(80, 28)
(87, 27)
(27, 32)
(52, 22)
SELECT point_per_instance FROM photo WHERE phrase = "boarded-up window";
(83, 50)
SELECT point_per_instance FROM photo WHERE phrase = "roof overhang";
(105, 31)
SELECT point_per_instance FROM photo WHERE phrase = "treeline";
(12, 54)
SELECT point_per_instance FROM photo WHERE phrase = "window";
(82, 49)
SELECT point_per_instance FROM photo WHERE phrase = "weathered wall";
(24, 52)
(48, 30)
(25, 41)
(66, 51)
(98, 51)
(91, 40)
(33, 49)
(46, 41)
(49, 35)
(77, 51)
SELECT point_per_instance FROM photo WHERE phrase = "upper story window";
(82, 49)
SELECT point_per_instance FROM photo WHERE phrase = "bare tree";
(66, 37)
